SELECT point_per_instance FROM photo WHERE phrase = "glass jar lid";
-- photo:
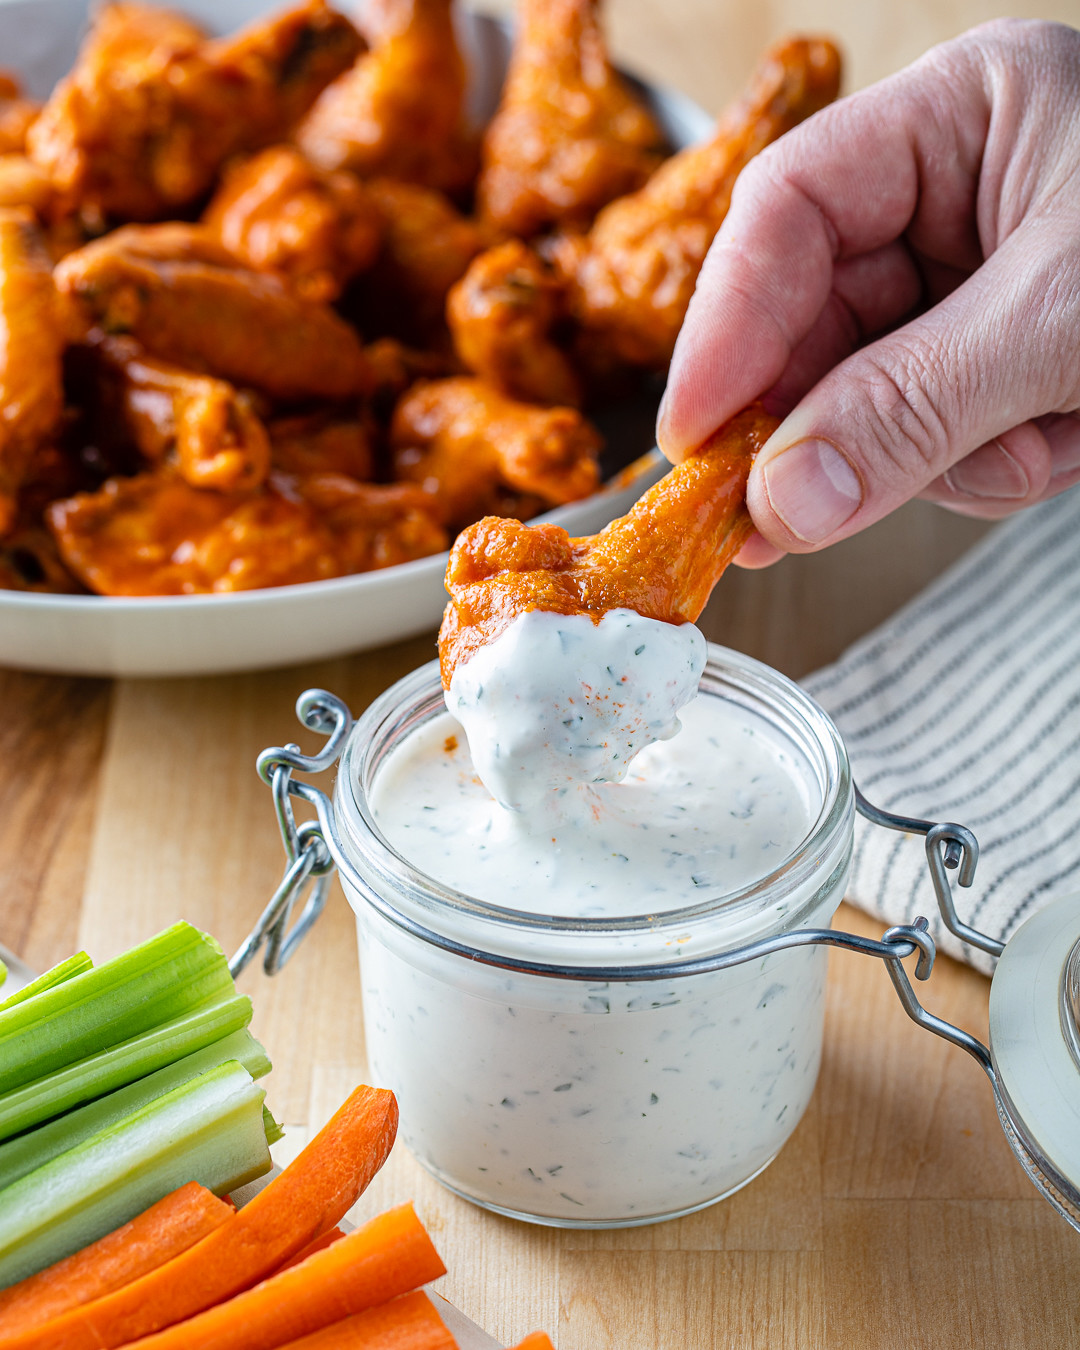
(1035, 1049)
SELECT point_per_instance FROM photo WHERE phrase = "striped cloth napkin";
(965, 706)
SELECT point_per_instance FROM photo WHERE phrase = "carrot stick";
(387, 1256)
(166, 1229)
(405, 1323)
(307, 1199)
(537, 1341)
(324, 1240)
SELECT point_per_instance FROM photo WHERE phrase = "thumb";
(960, 383)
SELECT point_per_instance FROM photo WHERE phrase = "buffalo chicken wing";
(569, 135)
(156, 535)
(277, 213)
(662, 559)
(32, 341)
(634, 273)
(477, 451)
(179, 294)
(152, 108)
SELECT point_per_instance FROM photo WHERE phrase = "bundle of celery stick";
(118, 1084)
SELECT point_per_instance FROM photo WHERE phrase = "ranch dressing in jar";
(561, 1052)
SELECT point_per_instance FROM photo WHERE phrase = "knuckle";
(907, 424)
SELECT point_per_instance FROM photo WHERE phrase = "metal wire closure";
(309, 864)
(313, 849)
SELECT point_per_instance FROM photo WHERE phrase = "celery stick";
(38, 1146)
(66, 970)
(92, 1077)
(159, 980)
(208, 1130)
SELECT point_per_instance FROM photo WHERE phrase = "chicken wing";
(32, 340)
(207, 427)
(398, 112)
(156, 535)
(478, 451)
(501, 314)
(172, 288)
(150, 111)
(16, 114)
(633, 275)
(662, 559)
(427, 245)
(277, 213)
(569, 135)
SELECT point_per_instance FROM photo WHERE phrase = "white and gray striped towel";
(965, 706)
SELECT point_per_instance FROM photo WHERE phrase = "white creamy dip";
(605, 1101)
(559, 700)
(714, 809)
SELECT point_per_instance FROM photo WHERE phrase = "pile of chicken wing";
(272, 310)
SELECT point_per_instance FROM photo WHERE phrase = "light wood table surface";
(896, 1216)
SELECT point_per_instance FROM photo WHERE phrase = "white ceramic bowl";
(248, 630)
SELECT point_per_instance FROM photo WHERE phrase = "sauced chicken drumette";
(278, 213)
(156, 535)
(501, 314)
(662, 559)
(183, 298)
(398, 112)
(152, 108)
(569, 136)
(633, 274)
(210, 428)
(32, 341)
(478, 451)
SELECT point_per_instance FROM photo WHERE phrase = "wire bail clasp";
(309, 865)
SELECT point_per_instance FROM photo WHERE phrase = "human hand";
(940, 208)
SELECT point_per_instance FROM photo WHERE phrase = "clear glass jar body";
(614, 1099)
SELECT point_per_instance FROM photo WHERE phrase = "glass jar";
(596, 1072)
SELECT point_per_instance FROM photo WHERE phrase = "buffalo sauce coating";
(661, 560)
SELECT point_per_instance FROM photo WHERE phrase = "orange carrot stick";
(387, 1256)
(307, 1199)
(405, 1323)
(163, 1231)
(318, 1244)
(537, 1341)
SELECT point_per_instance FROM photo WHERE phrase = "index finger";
(902, 157)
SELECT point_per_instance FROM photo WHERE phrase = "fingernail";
(813, 489)
(989, 474)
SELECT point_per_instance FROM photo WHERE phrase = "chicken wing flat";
(427, 245)
(144, 120)
(476, 450)
(662, 559)
(32, 340)
(155, 535)
(278, 213)
(398, 112)
(16, 114)
(501, 314)
(210, 429)
(329, 441)
(172, 288)
(569, 135)
(635, 272)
